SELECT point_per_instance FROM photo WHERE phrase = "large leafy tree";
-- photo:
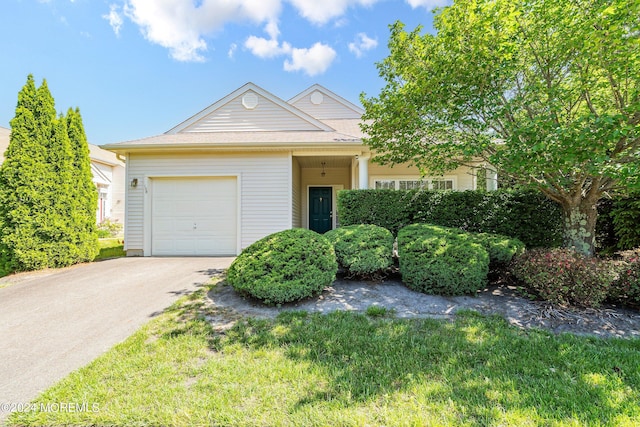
(42, 211)
(546, 91)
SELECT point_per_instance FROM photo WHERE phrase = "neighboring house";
(249, 165)
(108, 175)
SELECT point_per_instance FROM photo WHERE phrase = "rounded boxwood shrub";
(285, 266)
(442, 261)
(563, 276)
(364, 250)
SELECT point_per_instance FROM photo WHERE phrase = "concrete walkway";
(56, 321)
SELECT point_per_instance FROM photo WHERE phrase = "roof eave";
(128, 148)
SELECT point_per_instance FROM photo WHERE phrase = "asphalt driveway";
(56, 321)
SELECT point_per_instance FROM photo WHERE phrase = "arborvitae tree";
(41, 224)
(86, 194)
(24, 183)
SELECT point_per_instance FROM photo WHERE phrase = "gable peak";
(321, 103)
(250, 108)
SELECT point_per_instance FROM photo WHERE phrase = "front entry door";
(320, 209)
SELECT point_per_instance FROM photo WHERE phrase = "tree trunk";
(580, 224)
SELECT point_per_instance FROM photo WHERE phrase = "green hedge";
(442, 261)
(617, 228)
(364, 250)
(501, 249)
(283, 267)
(526, 215)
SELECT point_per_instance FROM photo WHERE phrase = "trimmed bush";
(501, 248)
(526, 215)
(389, 209)
(617, 226)
(606, 240)
(286, 266)
(626, 288)
(626, 217)
(442, 261)
(364, 250)
(564, 277)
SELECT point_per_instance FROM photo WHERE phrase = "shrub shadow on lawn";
(479, 367)
(498, 298)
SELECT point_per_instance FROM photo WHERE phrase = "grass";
(348, 369)
(110, 248)
(378, 311)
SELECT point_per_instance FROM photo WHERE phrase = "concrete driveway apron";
(56, 321)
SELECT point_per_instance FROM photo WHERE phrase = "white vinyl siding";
(296, 195)
(328, 109)
(265, 196)
(266, 116)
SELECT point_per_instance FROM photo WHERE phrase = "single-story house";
(108, 175)
(249, 165)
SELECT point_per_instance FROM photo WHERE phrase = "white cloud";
(361, 44)
(115, 18)
(232, 50)
(180, 25)
(322, 11)
(427, 4)
(315, 60)
(267, 48)
(272, 29)
(312, 61)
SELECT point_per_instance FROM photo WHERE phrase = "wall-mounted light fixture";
(323, 173)
(134, 182)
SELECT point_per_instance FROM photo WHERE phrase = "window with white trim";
(442, 184)
(414, 184)
(385, 184)
(404, 184)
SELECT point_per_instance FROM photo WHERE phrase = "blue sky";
(137, 68)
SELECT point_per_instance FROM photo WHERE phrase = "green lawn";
(349, 369)
(110, 248)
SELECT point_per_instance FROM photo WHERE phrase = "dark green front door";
(320, 209)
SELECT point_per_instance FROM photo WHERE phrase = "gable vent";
(250, 100)
(317, 98)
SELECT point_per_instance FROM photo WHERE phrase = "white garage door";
(194, 216)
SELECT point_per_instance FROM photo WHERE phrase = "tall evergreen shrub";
(526, 215)
(626, 221)
(42, 212)
(86, 195)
